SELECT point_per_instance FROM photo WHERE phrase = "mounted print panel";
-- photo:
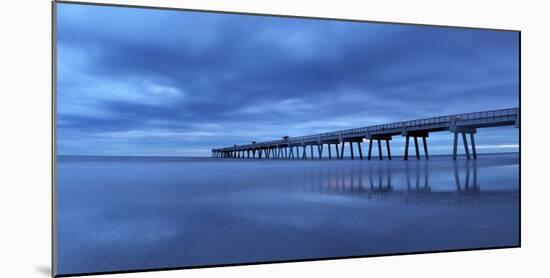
(189, 138)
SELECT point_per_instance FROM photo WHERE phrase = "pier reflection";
(410, 182)
(418, 175)
(465, 186)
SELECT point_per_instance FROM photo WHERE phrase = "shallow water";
(123, 213)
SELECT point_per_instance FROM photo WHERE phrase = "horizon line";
(173, 156)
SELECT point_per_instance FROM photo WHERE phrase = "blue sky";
(158, 82)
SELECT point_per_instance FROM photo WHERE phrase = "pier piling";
(388, 149)
(465, 142)
(416, 148)
(425, 148)
(474, 153)
(379, 150)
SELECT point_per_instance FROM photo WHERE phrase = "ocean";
(126, 213)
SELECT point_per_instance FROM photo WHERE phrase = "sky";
(149, 82)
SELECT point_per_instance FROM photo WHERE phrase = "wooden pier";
(464, 125)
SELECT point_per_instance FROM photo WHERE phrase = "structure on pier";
(464, 125)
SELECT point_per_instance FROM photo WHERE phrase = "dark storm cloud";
(137, 81)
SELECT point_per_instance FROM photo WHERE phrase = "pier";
(459, 125)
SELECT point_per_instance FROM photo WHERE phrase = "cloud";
(142, 81)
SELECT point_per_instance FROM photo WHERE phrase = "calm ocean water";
(123, 213)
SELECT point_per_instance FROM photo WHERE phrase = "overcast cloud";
(156, 82)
